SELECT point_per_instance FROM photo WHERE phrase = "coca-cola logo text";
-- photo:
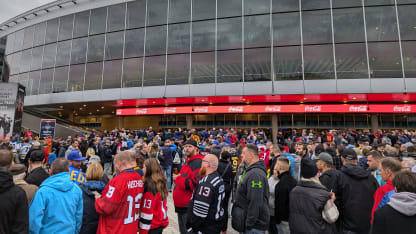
(272, 108)
(141, 111)
(402, 109)
(170, 110)
(362, 108)
(313, 108)
(201, 109)
(235, 109)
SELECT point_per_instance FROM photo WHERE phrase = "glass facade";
(179, 42)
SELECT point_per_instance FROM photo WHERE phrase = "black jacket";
(329, 179)
(14, 210)
(90, 217)
(355, 198)
(37, 176)
(307, 200)
(106, 154)
(226, 173)
(251, 207)
(281, 193)
(165, 156)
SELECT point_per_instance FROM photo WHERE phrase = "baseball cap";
(36, 143)
(191, 142)
(18, 169)
(325, 157)
(75, 156)
(349, 154)
(37, 156)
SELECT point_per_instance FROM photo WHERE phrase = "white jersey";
(24, 150)
(16, 146)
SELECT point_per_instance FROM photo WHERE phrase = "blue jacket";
(57, 206)
(76, 175)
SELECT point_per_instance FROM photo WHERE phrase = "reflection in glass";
(351, 61)
(285, 5)
(381, 23)
(228, 8)
(382, 66)
(97, 20)
(134, 43)
(229, 68)
(37, 54)
(257, 65)
(76, 78)
(178, 69)
(203, 9)
(24, 80)
(136, 13)
(40, 31)
(156, 40)
(378, 2)
(343, 3)
(348, 25)
(203, 68)
(65, 27)
(18, 42)
(179, 11)
(407, 18)
(409, 58)
(315, 4)
(114, 45)
(49, 55)
(156, 12)
(79, 48)
(203, 35)
(52, 30)
(28, 40)
(286, 29)
(34, 80)
(116, 17)
(96, 48)
(46, 81)
(405, 1)
(257, 31)
(60, 80)
(316, 27)
(179, 37)
(26, 60)
(93, 76)
(81, 24)
(154, 71)
(132, 72)
(10, 43)
(319, 62)
(256, 7)
(287, 63)
(63, 53)
(112, 74)
(229, 33)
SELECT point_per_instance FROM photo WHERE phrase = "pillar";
(120, 122)
(374, 123)
(275, 128)
(189, 121)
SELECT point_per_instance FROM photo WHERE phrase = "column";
(274, 128)
(120, 122)
(374, 123)
(189, 122)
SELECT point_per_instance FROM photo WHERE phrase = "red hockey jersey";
(119, 206)
(154, 210)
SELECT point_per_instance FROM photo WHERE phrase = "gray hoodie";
(404, 203)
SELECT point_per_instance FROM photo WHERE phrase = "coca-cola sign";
(235, 109)
(170, 110)
(402, 109)
(313, 108)
(361, 108)
(201, 109)
(273, 109)
(119, 112)
(141, 111)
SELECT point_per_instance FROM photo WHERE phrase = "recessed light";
(102, 107)
(61, 107)
(98, 110)
(354, 98)
(405, 101)
(84, 105)
(90, 113)
(80, 108)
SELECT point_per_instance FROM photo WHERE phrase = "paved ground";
(173, 227)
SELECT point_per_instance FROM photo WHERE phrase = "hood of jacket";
(330, 173)
(61, 181)
(355, 171)
(259, 164)
(404, 203)
(96, 185)
(6, 180)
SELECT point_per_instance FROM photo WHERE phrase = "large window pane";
(156, 40)
(203, 35)
(93, 76)
(116, 17)
(382, 66)
(203, 9)
(409, 58)
(178, 69)
(46, 81)
(257, 31)
(52, 30)
(154, 71)
(136, 13)
(97, 20)
(34, 80)
(79, 48)
(114, 45)
(285, 5)
(229, 33)
(179, 37)
(134, 43)
(65, 27)
(76, 78)
(319, 62)
(49, 55)
(407, 22)
(381, 23)
(63, 53)
(24, 80)
(28, 40)
(286, 29)
(315, 4)
(348, 25)
(351, 61)
(81, 24)
(37, 54)
(40, 30)
(132, 72)
(203, 68)
(179, 11)
(288, 63)
(96, 48)
(229, 68)
(18, 42)
(156, 12)
(378, 2)
(228, 8)
(26, 60)
(257, 64)
(343, 3)
(256, 6)
(112, 74)
(60, 80)
(10, 43)
(405, 1)
(316, 27)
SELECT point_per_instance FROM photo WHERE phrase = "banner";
(11, 109)
(47, 128)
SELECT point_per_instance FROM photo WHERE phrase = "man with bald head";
(207, 214)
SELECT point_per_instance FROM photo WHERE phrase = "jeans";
(254, 231)
(182, 223)
(283, 228)
(272, 226)
(108, 169)
(158, 230)
(168, 173)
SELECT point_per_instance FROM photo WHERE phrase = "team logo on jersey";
(254, 184)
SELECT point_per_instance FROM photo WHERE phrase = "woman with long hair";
(154, 216)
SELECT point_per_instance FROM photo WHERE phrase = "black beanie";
(308, 168)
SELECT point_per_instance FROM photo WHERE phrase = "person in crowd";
(52, 157)
(94, 184)
(107, 158)
(14, 217)
(399, 215)
(19, 173)
(57, 206)
(142, 150)
(225, 169)
(250, 213)
(273, 180)
(354, 195)
(389, 167)
(328, 176)
(37, 174)
(206, 213)
(408, 163)
(186, 181)
(312, 208)
(75, 161)
(373, 160)
(62, 149)
(282, 191)
(119, 206)
(165, 159)
(153, 217)
(153, 149)
(35, 147)
(74, 146)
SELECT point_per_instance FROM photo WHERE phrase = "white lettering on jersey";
(134, 184)
(110, 191)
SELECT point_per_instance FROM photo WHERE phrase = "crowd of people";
(306, 181)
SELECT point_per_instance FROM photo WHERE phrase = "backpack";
(176, 158)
